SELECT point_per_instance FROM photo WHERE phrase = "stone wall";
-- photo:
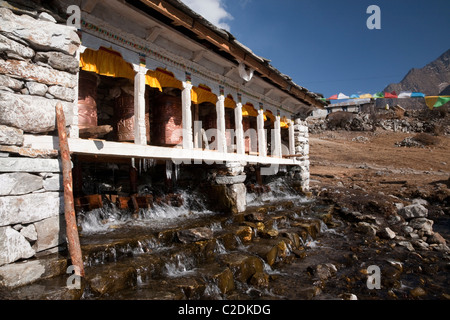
(301, 140)
(38, 69)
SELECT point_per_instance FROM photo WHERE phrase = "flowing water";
(285, 246)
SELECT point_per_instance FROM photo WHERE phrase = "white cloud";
(212, 10)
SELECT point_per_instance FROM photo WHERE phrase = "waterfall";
(169, 170)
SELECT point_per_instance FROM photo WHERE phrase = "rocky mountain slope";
(433, 79)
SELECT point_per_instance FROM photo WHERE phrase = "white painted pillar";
(291, 138)
(277, 137)
(188, 138)
(262, 142)
(140, 135)
(221, 129)
(240, 143)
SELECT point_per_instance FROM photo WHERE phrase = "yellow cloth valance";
(229, 103)
(269, 115)
(200, 95)
(249, 111)
(161, 78)
(284, 123)
(106, 63)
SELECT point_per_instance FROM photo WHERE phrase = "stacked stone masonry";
(301, 140)
(38, 69)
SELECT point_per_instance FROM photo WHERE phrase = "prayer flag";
(417, 95)
(441, 101)
(354, 96)
(333, 97)
(404, 95)
(342, 96)
(378, 95)
(365, 96)
(391, 95)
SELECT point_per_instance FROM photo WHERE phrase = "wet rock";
(348, 296)
(386, 233)
(11, 136)
(323, 271)
(243, 266)
(268, 233)
(245, 233)
(110, 279)
(194, 234)
(413, 211)
(417, 292)
(256, 216)
(311, 226)
(225, 281)
(260, 279)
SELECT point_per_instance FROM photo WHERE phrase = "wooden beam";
(73, 239)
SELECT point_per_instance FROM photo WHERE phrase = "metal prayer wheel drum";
(250, 136)
(87, 96)
(168, 121)
(125, 119)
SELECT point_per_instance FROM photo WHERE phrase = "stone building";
(152, 81)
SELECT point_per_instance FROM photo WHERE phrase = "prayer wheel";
(87, 96)
(125, 120)
(168, 121)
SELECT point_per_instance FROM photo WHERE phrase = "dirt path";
(372, 161)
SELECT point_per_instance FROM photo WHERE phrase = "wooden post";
(69, 208)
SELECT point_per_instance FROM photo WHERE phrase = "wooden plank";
(101, 148)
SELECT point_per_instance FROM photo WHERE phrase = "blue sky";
(325, 45)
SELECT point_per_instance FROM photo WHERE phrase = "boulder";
(36, 88)
(50, 233)
(386, 233)
(18, 183)
(13, 246)
(436, 238)
(30, 208)
(58, 60)
(31, 114)
(14, 49)
(413, 211)
(32, 72)
(9, 82)
(63, 93)
(42, 35)
(29, 232)
(422, 224)
(22, 273)
(11, 136)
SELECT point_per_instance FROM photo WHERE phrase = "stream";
(283, 247)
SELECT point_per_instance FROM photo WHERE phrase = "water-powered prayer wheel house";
(143, 85)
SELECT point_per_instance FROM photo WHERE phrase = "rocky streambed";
(325, 246)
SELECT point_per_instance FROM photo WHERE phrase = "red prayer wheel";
(125, 120)
(168, 121)
(87, 96)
